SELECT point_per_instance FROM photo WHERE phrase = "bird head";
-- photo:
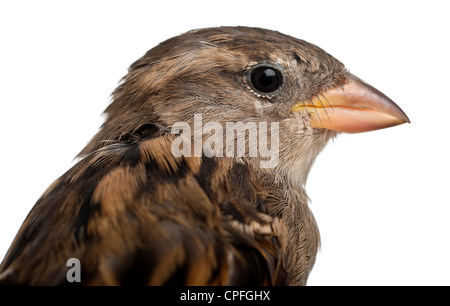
(241, 74)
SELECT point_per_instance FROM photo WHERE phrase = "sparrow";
(133, 211)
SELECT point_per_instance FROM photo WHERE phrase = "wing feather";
(132, 213)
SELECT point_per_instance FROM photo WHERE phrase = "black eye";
(266, 79)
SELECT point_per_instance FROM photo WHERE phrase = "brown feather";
(135, 214)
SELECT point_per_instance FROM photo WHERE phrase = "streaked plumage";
(135, 214)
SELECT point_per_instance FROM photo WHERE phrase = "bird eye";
(265, 79)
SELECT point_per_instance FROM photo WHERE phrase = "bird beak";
(354, 107)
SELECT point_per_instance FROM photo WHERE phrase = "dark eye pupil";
(266, 79)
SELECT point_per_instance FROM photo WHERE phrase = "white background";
(381, 198)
